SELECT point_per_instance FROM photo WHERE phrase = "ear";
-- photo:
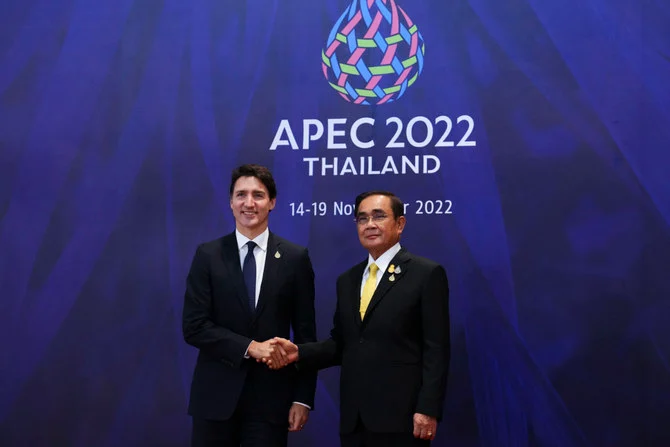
(273, 202)
(401, 224)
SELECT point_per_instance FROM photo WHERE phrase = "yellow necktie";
(369, 289)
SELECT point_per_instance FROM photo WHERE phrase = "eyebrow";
(247, 190)
(376, 210)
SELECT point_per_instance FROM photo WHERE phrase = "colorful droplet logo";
(374, 52)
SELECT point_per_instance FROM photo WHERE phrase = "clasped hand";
(276, 352)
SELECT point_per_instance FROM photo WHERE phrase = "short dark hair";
(397, 206)
(260, 172)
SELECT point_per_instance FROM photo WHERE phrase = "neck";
(251, 233)
(378, 252)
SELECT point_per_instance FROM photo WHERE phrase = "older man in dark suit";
(390, 335)
(242, 290)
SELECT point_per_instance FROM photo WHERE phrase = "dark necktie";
(249, 272)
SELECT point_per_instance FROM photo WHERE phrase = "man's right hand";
(260, 350)
(285, 353)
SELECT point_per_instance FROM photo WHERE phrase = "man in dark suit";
(242, 290)
(390, 335)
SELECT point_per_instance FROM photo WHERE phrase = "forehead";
(249, 184)
(375, 203)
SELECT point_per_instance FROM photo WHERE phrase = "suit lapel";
(231, 259)
(399, 260)
(270, 272)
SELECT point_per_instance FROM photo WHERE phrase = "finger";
(277, 361)
(291, 420)
(281, 360)
(298, 421)
(424, 434)
(428, 432)
(417, 430)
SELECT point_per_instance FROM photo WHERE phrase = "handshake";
(276, 352)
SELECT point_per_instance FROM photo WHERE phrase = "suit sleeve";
(198, 328)
(325, 353)
(436, 343)
(304, 326)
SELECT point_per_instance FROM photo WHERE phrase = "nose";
(248, 201)
(370, 223)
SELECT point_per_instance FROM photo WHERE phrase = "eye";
(361, 220)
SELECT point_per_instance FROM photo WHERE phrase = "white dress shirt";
(260, 250)
(382, 262)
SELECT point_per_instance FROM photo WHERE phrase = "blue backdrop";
(120, 122)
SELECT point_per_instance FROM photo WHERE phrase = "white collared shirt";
(260, 252)
(382, 262)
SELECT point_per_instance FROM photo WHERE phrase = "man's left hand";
(297, 417)
(425, 427)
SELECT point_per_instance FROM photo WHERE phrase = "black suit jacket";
(395, 362)
(218, 321)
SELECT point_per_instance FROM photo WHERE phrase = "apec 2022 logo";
(374, 53)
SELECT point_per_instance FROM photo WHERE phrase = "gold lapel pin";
(392, 278)
(391, 268)
(277, 255)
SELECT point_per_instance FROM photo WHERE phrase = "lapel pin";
(277, 255)
(391, 268)
(397, 270)
(392, 278)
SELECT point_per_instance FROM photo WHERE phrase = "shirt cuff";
(304, 405)
(246, 353)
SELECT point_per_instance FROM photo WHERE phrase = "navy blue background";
(121, 121)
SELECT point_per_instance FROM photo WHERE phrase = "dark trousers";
(236, 432)
(249, 426)
(362, 437)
